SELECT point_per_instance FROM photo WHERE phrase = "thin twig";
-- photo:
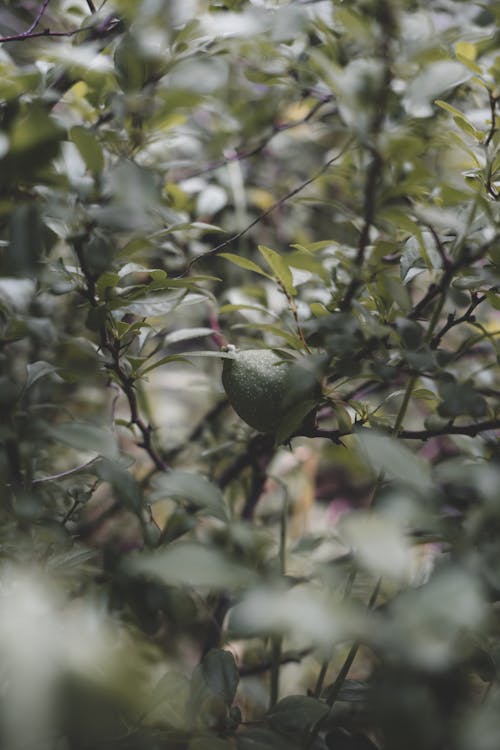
(334, 690)
(37, 34)
(452, 321)
(38, 18)
(295, 314)
(463, 259)
(326, 662)
(493, 126)
(95, 31)
(218, 248)
(67, 473)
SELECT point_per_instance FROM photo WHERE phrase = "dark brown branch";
(439, 245)
(493, 127)
(234, 469)
(471, 430)
(14, 463)
(334, 690)
(452, 321)
(372, 178)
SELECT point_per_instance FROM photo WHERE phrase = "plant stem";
(277, 640)
(324, 667)
(335, 689)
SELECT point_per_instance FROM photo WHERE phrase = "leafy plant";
(315, 184)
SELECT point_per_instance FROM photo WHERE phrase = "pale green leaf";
(190, 564)
(194, 488)
(245, 263)
(280, 269)
(86, 437)
(89, 148)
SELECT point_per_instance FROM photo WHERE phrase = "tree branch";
(97, 31)
(376, 164)
(493, 126)
(470, 430)
(218, 248)
(435, 290)
(452, 321)
(68, 473)
(241, 154)
(111, 345)
(38, 18)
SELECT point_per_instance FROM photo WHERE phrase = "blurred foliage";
(316, 178)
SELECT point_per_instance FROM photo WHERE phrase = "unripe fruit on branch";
(262, 388)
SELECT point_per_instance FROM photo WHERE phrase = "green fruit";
(257, 383)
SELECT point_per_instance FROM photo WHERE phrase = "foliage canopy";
(318, 179)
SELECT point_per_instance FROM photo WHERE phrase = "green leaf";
(263, 739)
(157, 305)
(293, 340)
(295, 714)
(280, 269)
(131, 68)
(378, 544)
(37, 370)
(25, 249)
(245, 263)
(89, 148)
(433, 79)
(163, 361)
(34, 129)
(390, 456)
(106, 281)
(195, 488)
(210, 742)
(190, 564)
(293, 419)
(461, 399)
(184, 334)
(236, 308)
(302, 611)
(493, 299)
(210, 354)
(217, 675)
(467, 127)
(449, 108)
(126, 487)
(86, 437)
(307, 262)
(169, 702)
